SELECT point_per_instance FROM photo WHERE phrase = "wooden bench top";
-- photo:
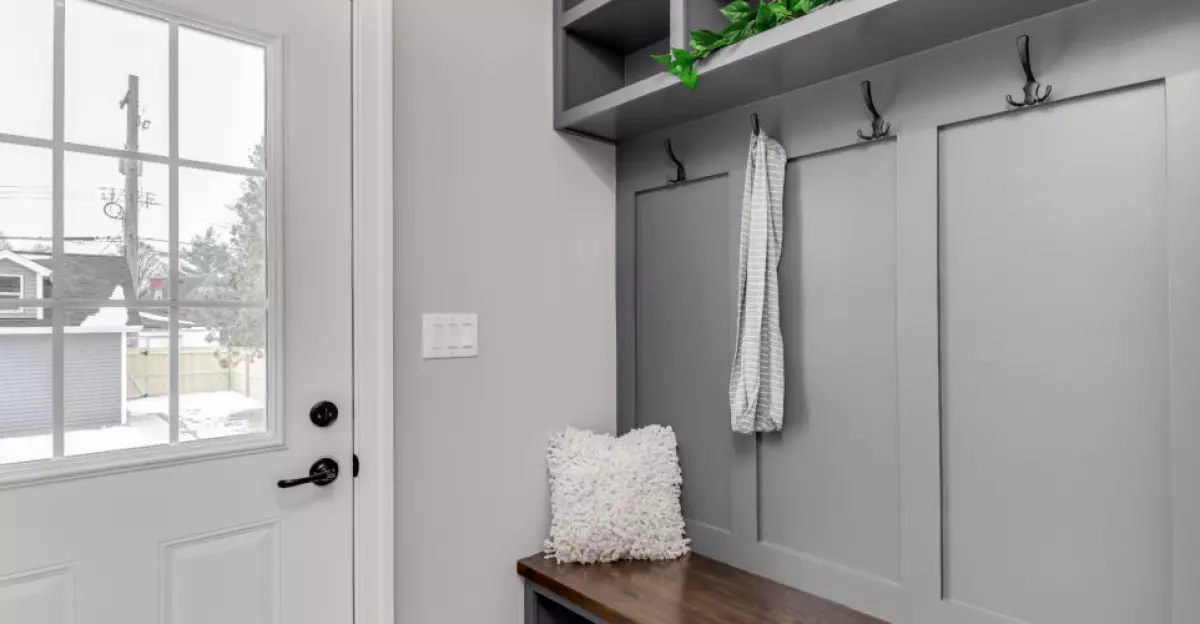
(691, 590)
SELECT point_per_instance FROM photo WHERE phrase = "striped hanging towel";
(756, 384)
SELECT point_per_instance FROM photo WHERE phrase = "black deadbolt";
(323, 414)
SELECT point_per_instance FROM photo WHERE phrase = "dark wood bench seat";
(692, 590)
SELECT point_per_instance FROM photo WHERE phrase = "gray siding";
(26, 384)
(8, 267)
(92, 385)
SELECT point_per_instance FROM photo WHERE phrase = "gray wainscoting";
(829, 484)
(1055, 371)
(991, 324)
(685, 282)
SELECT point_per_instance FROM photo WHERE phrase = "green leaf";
(689, 78)
(705, 38)
(736, 11)
(766, 18)
(736, 32)
(743, 24)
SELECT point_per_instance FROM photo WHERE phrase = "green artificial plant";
(743, 24)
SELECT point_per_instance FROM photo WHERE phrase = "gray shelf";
(840, 39)
(622, 26)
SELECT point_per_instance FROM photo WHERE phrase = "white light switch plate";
(449, 336)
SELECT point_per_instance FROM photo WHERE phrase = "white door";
(175, 294)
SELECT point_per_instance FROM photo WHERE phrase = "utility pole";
(132, 170)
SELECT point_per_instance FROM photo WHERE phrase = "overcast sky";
(221, 110)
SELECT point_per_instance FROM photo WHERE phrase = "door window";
(135, 192)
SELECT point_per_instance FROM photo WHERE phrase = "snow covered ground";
(206, 414)
(202, 416)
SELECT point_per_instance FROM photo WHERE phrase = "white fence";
(201, 369)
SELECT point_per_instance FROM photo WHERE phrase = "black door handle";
(323, 472)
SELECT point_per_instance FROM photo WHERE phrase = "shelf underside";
(622, 26)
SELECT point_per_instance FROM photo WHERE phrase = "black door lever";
(323, 472)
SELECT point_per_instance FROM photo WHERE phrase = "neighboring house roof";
(80, 276)
(24, 262)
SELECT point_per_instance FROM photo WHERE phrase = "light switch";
(449, 336)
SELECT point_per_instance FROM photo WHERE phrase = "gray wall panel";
(685, 314)
(828, 484)
(1128, 490)
(1055, 362)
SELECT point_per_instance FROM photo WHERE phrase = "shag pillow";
(615, 498)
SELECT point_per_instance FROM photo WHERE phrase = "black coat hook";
(879, 128)
(754, 123)
(1033, 89)
(680, 172)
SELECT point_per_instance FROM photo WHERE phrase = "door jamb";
(374, 534)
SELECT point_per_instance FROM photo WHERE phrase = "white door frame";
(374, 533)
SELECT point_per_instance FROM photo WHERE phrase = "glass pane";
(26, 385)
(27, 33)
(104, 47)
(222, 234)
(222, 98)
(101, 401)
(12, 286)
(26, 209)
(95, 209)
(222, 372)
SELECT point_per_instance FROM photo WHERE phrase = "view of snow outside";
(221, 215)
(203, 415)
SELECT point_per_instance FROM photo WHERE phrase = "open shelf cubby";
(607, 45)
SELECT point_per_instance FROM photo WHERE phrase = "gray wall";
(496, 214)
(92, 384)
(989, 328)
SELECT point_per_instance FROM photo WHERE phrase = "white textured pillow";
(615, 498)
